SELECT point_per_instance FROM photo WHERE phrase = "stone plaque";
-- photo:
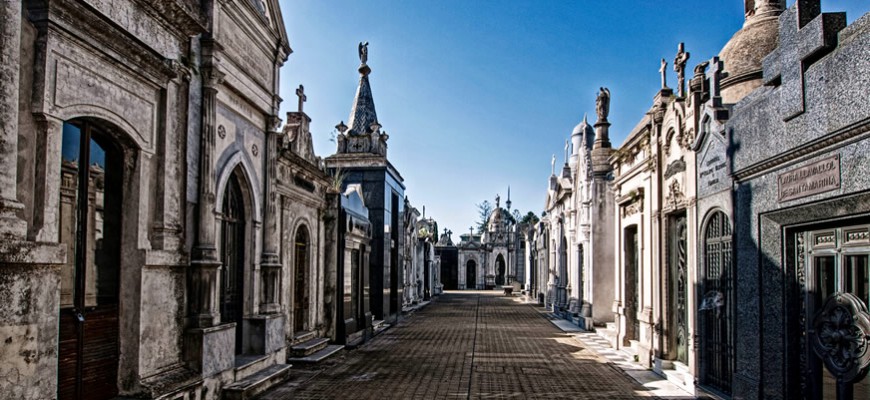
(820, 176)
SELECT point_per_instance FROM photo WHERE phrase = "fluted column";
(11, 226)
(204, 275)
(270, 265)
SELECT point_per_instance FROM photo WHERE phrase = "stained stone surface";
(468, 344)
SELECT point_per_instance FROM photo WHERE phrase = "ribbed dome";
(742, 56)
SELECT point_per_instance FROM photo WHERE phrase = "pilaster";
(11, 224)
(270, 264)
(204, 267)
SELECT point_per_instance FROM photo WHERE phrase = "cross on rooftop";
(804, 37)
(714, 76)
(300, 92)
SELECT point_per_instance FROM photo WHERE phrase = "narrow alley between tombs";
(468, 344)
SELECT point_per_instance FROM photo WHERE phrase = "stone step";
(246, 366)
(318, 356)
(678, 366)
(683, 380)
(257, 383)
(308, 347)
(300, 337)
(379, 326)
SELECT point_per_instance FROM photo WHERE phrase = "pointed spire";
(362, 113)
(508, 202)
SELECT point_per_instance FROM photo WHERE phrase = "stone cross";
(714, 75)
(300, 92)
(680, 68)
(663, 70)
(803, 39)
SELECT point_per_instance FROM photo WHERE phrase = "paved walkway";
(467, 345)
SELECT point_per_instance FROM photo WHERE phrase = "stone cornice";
(79, 23)
(846, 134)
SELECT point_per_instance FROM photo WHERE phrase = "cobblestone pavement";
(477, 345)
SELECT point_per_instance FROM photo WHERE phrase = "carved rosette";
(841, 336)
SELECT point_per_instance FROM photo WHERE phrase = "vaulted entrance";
(233, 220)
(716, 316)
(471, 275)
(90, 226)
(300, 282)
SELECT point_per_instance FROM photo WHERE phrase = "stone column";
(166, 231)
(204, 267)
(11, 226)
(47, 179)
(270, 264)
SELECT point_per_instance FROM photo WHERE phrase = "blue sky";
(477, 95)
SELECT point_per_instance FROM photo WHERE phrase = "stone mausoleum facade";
(163, 235)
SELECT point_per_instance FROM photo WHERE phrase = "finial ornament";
(680, 68)
(363, 52)
(602, 104)
(553, 165)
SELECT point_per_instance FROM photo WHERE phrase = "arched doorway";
(499, 270)
(90, 225)
(716, 314)
(471, 275)
(300, 282)
(233, 224)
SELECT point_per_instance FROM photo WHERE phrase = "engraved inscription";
(820, 176)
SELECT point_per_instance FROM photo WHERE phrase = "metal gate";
(233, 258)
(716, 312)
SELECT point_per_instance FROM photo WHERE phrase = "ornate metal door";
(679, 285)
(716, 313)
(500, 270)
(632, 294)
(833, 269)
(233, 258)
(300, 291)
(471, 275)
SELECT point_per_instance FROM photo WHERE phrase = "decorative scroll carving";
(841, 336)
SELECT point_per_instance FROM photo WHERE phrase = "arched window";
(716, 310)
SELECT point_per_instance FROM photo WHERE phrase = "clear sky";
(477, 95)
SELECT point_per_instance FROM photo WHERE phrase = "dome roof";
(583, 127)
(497, 217)
(742, 55)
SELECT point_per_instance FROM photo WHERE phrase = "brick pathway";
(466, 345)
